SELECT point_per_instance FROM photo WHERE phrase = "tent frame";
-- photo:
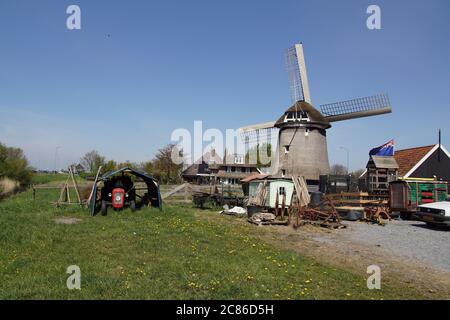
(152, 185)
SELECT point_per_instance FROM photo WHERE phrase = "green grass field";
(51, 178)
(179, 253)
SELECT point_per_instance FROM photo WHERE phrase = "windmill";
(300, 133)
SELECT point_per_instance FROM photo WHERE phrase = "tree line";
(160, 167)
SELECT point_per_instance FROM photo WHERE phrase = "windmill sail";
(299, 87)
(258, 134)
(356, 108)
(298, 78)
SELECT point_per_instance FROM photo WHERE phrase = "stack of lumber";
(357, 199)
(260, 196)
(301, 190)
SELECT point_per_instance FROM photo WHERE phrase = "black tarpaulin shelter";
(153, 191)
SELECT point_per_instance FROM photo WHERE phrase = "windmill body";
(302, 143)
(302, 129)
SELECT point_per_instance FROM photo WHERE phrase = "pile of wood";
(260, 196)
(357, 199)
(301, 190)
(373, 208)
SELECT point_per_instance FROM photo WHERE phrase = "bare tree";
(357, 173)
(338, 169)
(92, 160)
(163, 166)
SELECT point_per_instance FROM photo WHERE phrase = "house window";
(282, 191)
(286, 149)
(283, 173)
(228, 169)
(238, 159)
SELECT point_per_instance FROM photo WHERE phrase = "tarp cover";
(152, 186)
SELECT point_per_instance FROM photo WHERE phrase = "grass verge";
(151, 254)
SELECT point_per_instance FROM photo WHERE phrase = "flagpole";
(439, 153)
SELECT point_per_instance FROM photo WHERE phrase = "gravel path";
(410, 241)
(406, 251)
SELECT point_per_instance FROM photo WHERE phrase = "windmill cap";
(314, 115)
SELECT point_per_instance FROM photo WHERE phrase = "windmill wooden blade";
(356, 108)
(298, 78)
(258, 133)
(259, 126)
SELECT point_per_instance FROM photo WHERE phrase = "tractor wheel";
(104, 208)
(133, 205)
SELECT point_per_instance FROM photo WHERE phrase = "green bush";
(14, 165)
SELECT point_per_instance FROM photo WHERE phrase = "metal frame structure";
(152, 186)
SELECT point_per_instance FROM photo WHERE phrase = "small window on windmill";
(304, 115)
(286, 149)
(289, 116)
(306, 132)
(283, 173)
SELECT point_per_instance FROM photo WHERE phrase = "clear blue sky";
(168, 63)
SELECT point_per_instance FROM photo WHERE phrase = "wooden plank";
(94, 185)
(175, 190)
(302, 190)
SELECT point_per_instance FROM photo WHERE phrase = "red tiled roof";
(408, 158)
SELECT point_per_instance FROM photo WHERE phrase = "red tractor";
(119, 193)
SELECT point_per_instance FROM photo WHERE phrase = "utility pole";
(348, 156)
(56, 155)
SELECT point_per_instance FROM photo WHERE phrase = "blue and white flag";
(386, 149)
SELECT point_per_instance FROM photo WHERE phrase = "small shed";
(381, 170)
(273, 187)
(152, 195)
